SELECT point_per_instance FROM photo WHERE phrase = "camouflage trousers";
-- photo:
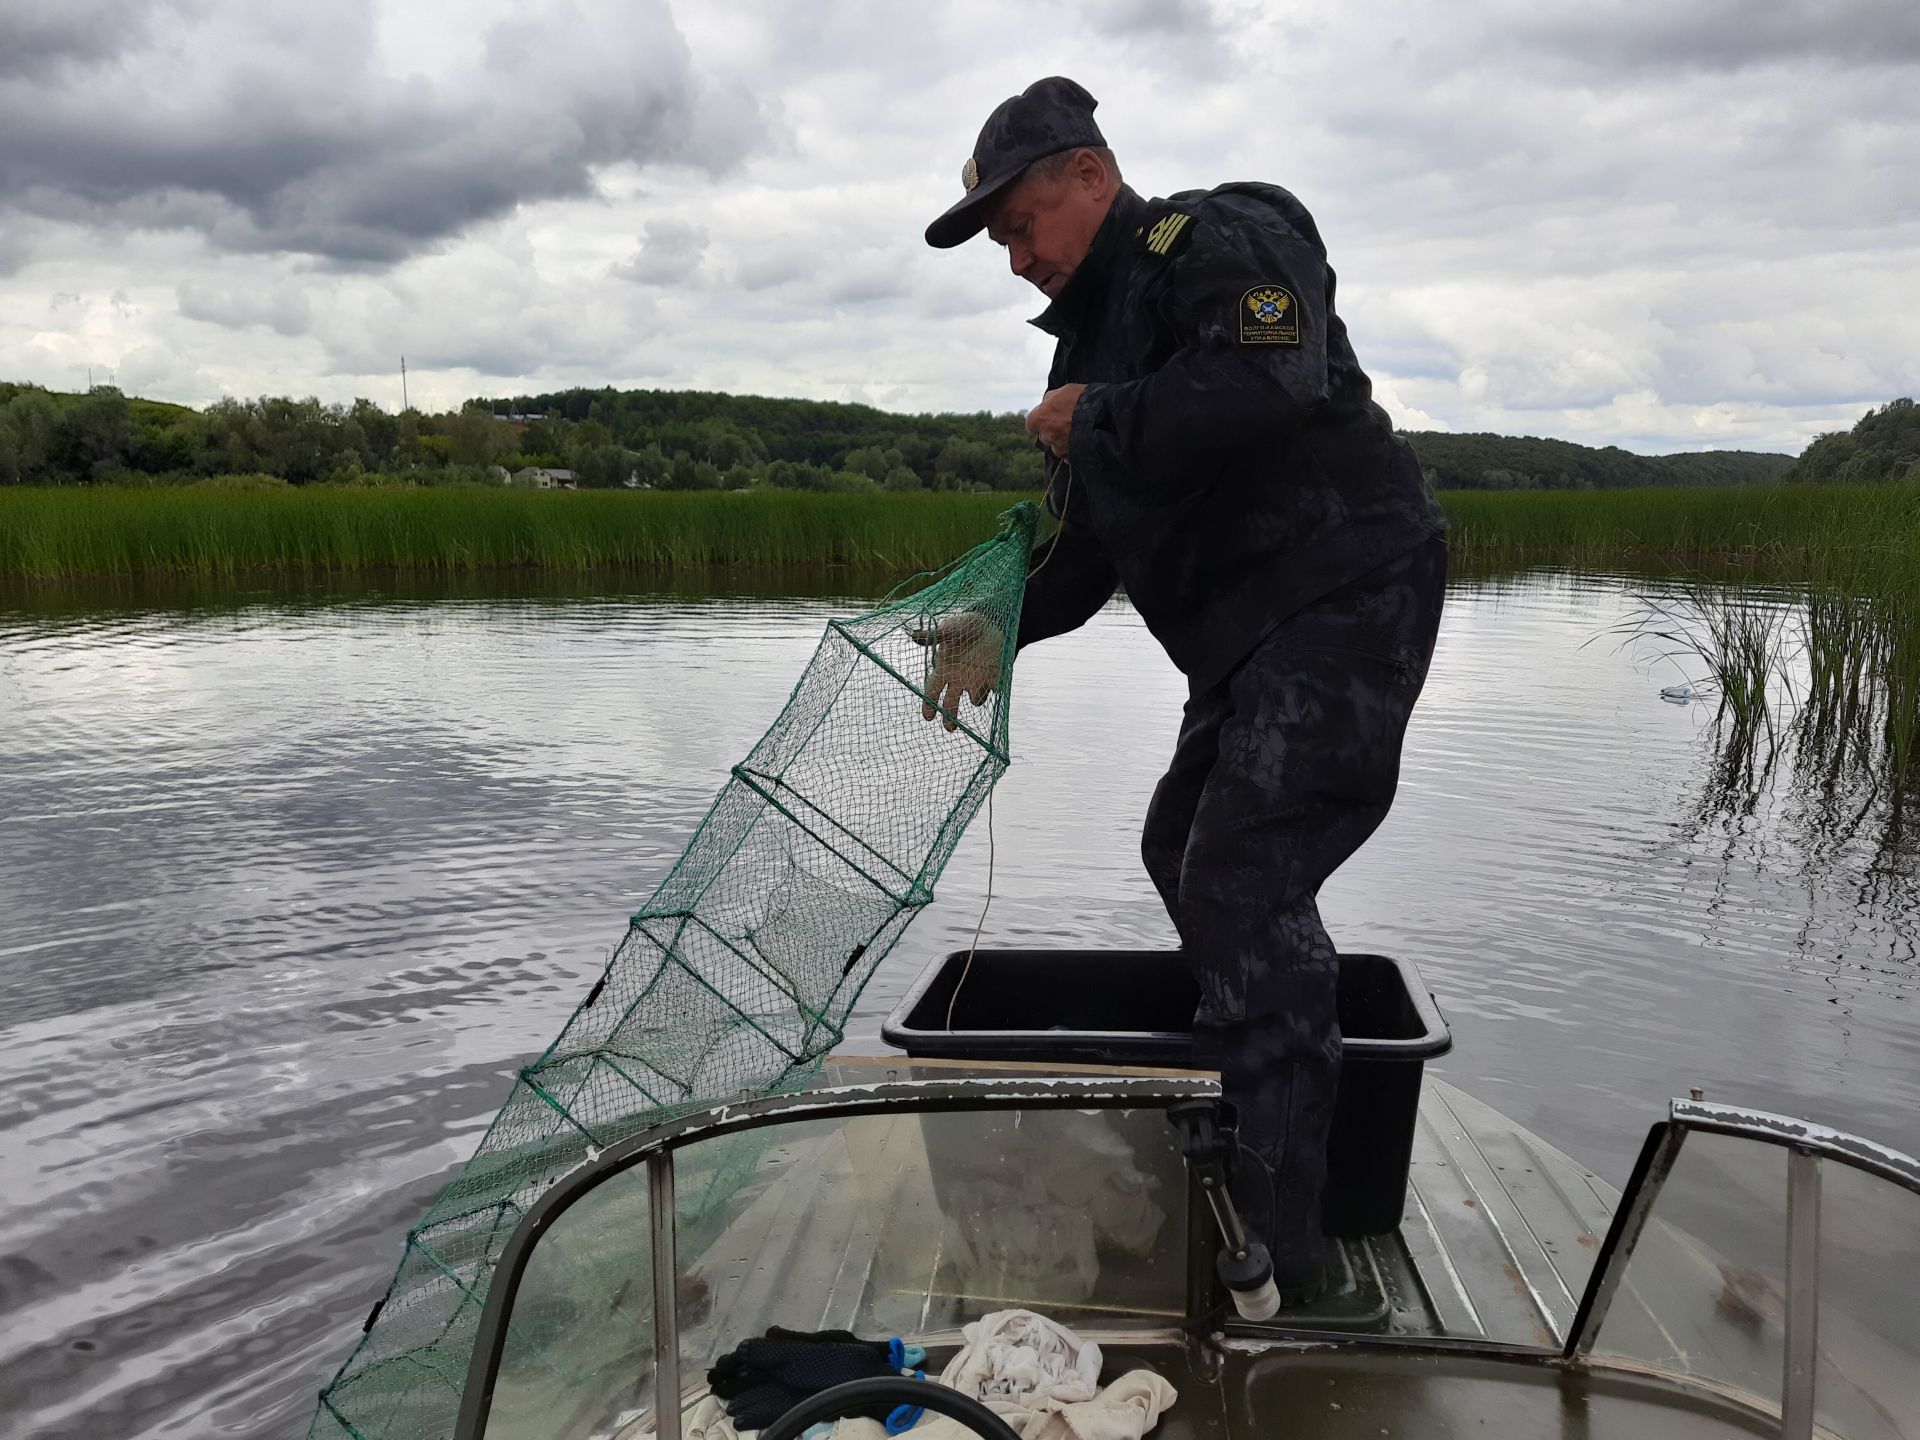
(1282, 771)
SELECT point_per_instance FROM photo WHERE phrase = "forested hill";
(693, 440)
(1883, 445)
(1509, 462)
(822, 433)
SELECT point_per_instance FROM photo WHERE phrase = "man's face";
(1047, 226)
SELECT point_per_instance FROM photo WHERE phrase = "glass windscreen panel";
(1704, 1291)
(1867, 1377)
(577, 1360)
(911, 1224)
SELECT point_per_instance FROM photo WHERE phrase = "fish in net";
(735, 977)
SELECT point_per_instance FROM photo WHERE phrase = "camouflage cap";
(1047, 117)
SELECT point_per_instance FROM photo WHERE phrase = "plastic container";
(1135, 1007)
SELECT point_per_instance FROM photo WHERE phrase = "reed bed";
(1781, 530)
(1810, 639)
(56, 534)
(1807, 592)
(60, 533)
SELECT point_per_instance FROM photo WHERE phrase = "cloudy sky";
(1666, 224)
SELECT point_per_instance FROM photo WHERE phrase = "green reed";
(53, 534)
(1812, 638)
(231, 529)
(1802, 601)
(1782, 530)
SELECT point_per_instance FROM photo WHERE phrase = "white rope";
(966, 969)
(1066, 500)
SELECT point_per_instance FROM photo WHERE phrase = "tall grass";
(51, 534)
(1823, 663)
(217, 531)
(1849, 556)
(1779, 530)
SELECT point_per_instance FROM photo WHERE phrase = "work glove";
(763, 1379)
(965, 662)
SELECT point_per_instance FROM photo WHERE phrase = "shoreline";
(87, 534)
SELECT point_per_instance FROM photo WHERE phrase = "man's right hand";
(966, 661)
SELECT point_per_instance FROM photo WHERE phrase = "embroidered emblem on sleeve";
(1269, 316)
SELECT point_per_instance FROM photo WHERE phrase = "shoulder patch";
(1269, 315)
(1166, 235)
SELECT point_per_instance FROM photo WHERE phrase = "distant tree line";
(660, 440)
(735, 440)
(1508, 462)
(695, 440)
(1883, 445)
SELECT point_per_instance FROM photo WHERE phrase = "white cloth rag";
(1044, 1381)
(1023, 1358)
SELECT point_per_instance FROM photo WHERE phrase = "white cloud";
(283, 309)
(1661, 228)
(669, 254)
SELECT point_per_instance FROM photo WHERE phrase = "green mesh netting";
(736, 976)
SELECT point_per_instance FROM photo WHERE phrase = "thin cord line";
(971, 949)
(1066, 502)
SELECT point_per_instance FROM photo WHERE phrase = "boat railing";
(703, 1164)
(1763, 1260)
(1769, 1256)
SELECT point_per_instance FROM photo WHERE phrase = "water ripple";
(293, 887)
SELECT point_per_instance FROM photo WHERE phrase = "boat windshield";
(1772, 1260)
(1757, 1265)
(902, 1221)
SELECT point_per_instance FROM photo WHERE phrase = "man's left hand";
(1051, 421)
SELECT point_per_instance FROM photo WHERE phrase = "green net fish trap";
(736, 976)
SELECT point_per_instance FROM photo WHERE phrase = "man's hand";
(966, 661)
(1051, 421)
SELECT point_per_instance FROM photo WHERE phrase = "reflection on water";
(293, 880)
(1812, 729)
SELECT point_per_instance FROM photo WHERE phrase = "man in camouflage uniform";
(1214, 448)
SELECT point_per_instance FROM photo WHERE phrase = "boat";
(1757, 1276)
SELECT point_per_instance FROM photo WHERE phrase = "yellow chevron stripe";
(1162, 236)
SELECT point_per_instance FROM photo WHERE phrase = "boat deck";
(1323, 1394)
(1498, 1237)
(1500, 1228)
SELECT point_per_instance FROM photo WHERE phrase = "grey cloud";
(157, 369)
(1558, 215)
(284, 308)
(1152, 17)
(39, 35)
(863, 277)
(775, 265)
(670, 254)
(528, 326)
(286, 135)
(1724, 34)
(16, 249)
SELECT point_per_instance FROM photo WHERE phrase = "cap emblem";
(969, 174)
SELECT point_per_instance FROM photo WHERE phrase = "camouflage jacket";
(1227, 463)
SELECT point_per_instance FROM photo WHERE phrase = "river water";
(291, 882)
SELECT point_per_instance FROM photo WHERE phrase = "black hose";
(833, 1403)
(1273, 1191)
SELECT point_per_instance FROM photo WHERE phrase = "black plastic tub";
(1135, 1007)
